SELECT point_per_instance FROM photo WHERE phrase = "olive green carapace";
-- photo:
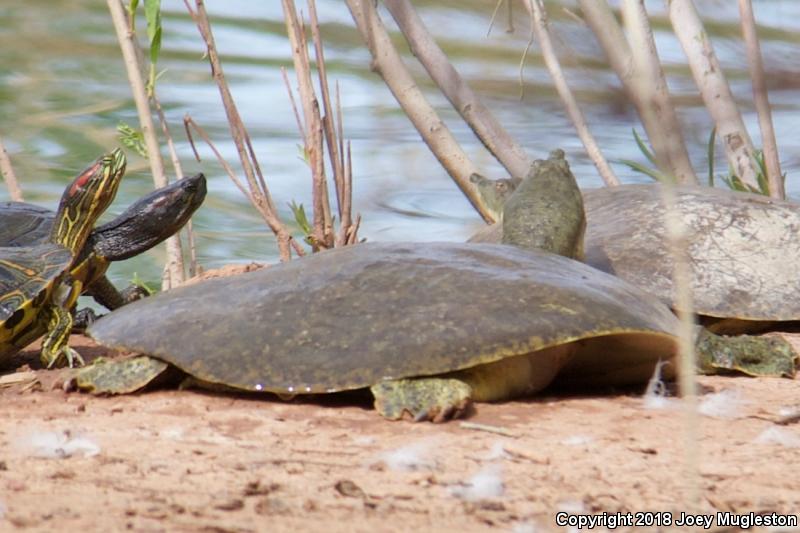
(546, 210)
(354, 317)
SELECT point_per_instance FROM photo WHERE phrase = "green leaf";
(644, 149)
(137, 280)
(733, 181)
(710, 151)
(302, 221)
(655, 174)
(132, 138)
(152, 13)
(134, 4)
(303, 154)
(155, 46)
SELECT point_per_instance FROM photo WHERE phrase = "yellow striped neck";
(85, 199)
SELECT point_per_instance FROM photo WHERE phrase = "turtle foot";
(83, 319)
(134, 292)
(751, 355)
(119, 377)
(70, 355)
(434, 399)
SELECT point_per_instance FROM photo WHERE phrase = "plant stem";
(8, 174)
(539, 26)
(322, 223)
(714, 89)
(643, 80)
(134, 69)
(483, 123)
(387, 62)
(259, 193)
(761, 99)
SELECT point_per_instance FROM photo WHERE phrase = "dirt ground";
(193, 461)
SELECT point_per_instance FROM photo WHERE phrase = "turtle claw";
(438, 415)
(71, 355)
(434, 399)
(83, 319)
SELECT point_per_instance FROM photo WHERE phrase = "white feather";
(487, 483)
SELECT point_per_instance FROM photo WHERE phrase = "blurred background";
(63, 90)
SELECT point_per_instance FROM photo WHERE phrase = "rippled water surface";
(63, 90)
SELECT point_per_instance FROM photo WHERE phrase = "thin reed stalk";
(9, 176)
(134, 69)
(761, 99)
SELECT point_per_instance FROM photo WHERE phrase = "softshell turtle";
(37, 285)
(144, 224)
(741, 249)
(487, 322)
(490, 321)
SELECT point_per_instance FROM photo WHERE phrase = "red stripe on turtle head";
(83, 179)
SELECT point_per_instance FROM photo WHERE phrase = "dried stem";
(347, 230)
(259, 193)
(716, 93)
(761, 98)
(678, 238)
(328, 116)
(8, 174)
(134, 67)
(176, 166)
(189, 125)
(643, 79)
(486, 127)
(387, 62)
(322, 223)
(317, 129)
(539, 20)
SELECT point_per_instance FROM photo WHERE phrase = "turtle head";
(150, 220)
(546, 210)
(494, 193)
(85, 199)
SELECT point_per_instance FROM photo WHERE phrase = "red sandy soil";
(192, 461)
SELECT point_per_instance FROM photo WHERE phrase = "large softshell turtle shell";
(366, 315)
(742, 247)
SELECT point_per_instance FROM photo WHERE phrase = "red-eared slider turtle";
(144, 224)
(36, 288)
(741, 249)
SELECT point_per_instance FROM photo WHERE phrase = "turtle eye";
(83, 179)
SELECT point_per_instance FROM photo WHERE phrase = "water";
(63, 90)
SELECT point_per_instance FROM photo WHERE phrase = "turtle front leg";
(106, 294)
(435, 399)
(751, 355)
(439, 398)
(55, 345)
